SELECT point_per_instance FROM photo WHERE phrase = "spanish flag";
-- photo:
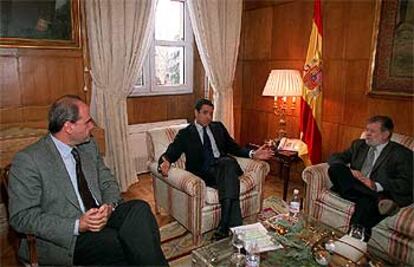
(311, 101)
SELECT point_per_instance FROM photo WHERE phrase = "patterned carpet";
(177, 241)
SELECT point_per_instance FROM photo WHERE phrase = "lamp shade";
(283, 83)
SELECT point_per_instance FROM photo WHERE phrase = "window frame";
(149, 87)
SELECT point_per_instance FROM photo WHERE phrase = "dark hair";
(62, 110)
(385, 121)
(201, 102)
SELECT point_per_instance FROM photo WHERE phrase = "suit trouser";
(131, 237)
(223, 175)
(366, 200)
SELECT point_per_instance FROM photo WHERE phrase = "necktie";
(369, 162)
(207, 150)
(83, 188)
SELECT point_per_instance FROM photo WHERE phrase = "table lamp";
(283, 83)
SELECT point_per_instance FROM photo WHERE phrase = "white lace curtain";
(119, 35)
(216, 25)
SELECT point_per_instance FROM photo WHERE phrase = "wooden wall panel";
(330, 133)
(9, 115)
(257, 44)
(358, 29)
(290, 33)
(9, 84)
(334, 99)
(237, 99)
(32, 79)
(346, 50)
(334, 29)
(34, 75)
(147, 109)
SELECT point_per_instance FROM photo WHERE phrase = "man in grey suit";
(61, 192)
(380, 171)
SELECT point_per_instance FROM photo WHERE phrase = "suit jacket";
(393, 169)
(188, 141)
(43, 201)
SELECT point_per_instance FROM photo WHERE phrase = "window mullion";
(170, 43)
(151, 68)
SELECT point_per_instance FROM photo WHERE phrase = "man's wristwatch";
(114, 205)
(373, 185)
(252, 153)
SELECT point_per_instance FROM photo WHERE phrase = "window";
(168, 67)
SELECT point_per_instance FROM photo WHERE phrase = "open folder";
(350, 248)
(258, 233)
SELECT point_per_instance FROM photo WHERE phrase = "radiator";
(138, 145)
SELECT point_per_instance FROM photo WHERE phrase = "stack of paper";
(350, 248)
(258, 233)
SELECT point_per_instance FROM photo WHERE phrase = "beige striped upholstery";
(394, 236)
(185, 196)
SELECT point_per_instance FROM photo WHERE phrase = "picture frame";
(391, 67)
(53, 24)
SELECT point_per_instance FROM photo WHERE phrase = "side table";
(285, 158)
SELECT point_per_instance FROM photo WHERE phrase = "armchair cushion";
(333, 200)
(403, 221)
(317, 180)
(247, 183)
(181, 179)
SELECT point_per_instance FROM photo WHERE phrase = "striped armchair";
(187, 198)
(391, 238)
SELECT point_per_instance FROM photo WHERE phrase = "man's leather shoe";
(388, 207)
(219, 234)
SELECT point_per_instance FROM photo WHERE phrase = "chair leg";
(157, 209)
(33, 251)
(154, 186)
(197, 238)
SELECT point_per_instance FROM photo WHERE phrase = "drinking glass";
(237, 242)
(357, 231)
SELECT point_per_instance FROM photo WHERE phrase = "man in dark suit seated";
(62, 192)
(206, 145)
(380, 175)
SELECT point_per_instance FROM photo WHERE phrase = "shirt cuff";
(379, 187)
(251, 153)
(76, 228)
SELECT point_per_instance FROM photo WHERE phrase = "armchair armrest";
(317, 180)
(256, 169)
(402, 221)
(250, 165)
(181, 180)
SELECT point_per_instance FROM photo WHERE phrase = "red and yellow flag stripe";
(311, 101)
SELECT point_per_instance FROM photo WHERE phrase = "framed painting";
(391, 70)
(40, 24)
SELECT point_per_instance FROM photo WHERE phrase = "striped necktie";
(369, 162)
